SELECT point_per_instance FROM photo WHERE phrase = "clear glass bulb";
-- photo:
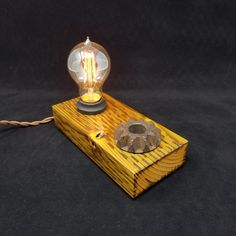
(89, 66)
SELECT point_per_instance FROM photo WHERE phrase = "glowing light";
(89, 65)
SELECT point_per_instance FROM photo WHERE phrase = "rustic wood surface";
(94, 135)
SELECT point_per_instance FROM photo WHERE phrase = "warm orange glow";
(91, 97)
(89, 66)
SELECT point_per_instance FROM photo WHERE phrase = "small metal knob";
(137, 136)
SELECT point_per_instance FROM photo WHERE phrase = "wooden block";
(132, 172)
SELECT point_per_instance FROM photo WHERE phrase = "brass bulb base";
(91, 108)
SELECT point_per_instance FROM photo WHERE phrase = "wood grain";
(132, 172)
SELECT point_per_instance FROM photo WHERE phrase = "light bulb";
(89, 66)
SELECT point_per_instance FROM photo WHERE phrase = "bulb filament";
(89, 67)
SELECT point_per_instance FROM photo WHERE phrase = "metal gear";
(137, 136)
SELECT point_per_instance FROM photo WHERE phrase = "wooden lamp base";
(94, 135)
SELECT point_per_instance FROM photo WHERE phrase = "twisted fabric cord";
(26, 123)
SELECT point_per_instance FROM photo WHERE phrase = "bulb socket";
(91, 108)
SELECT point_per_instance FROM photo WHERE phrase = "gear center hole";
(137, 129)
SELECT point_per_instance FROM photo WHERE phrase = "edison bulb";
(89, 66)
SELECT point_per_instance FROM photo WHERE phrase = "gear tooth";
(151, 133)
(151, 140)
(158, 140)
(125, 148)
(147, 149)
(119, 131)
(151, 125)
(123, 141)
(130, 149)
(117, 134)
(138, 145)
